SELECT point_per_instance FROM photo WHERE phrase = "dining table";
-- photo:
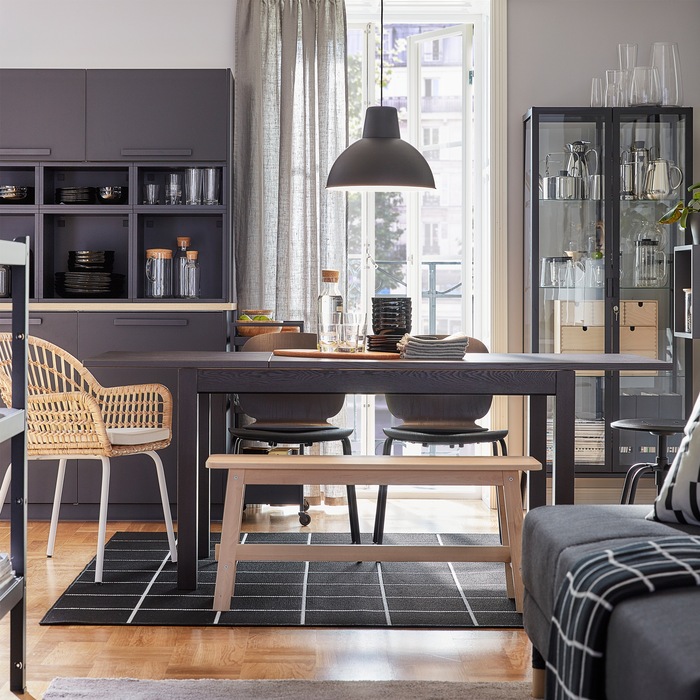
(536, 376)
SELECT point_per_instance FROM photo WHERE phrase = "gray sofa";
(653, 642)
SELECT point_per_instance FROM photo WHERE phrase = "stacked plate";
(384, 342)
(90, 260)
(13, 193)
(391, 315)
(89, 275)
(75, 195)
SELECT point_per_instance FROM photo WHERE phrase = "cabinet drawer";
(639, 313)
(56, 327)
(580, 339)
(586, 313)
(639, 340)
(143, 331)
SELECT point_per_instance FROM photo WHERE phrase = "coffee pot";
(583, 161)
(659, 181)
(633, 171)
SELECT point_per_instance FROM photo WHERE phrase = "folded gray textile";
(451, 347)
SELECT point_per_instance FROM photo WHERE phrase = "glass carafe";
(183, 243)
(159, 273)
(191, 275)
(649, 264)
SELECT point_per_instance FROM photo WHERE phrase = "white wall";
(116, 33)
(555, 47)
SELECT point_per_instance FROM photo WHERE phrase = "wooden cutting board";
(368, 355)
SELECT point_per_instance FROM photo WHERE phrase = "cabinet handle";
(32, 321)
(25, 151)
(156, 151)
(150, 321)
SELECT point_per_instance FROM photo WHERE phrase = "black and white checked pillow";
(679, 498)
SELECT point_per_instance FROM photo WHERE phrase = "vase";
(693, 223)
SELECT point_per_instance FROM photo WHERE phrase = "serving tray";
(368, 355)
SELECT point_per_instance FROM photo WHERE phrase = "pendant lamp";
(381, 161)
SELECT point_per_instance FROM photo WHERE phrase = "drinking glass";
(150, 193)
(347, 337)
(597, 92)
(645, 86)
(666, 59)
(173, 188)
(614, 88)
(627, 54)
(210, 186)
(193, 186)
(328, 334)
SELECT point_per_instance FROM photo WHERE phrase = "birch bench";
(501, 472)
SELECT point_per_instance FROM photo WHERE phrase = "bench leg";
(514, 517)
(503, 532)
(230, 539)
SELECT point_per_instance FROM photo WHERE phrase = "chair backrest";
(273, 341)
(50, 369)
(441, 412)
(288, 411)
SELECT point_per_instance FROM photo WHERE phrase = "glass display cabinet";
(599, 273)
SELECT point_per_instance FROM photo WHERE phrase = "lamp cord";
(381, 53)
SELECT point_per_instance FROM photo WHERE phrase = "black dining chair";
(437, 420)
(294, 419)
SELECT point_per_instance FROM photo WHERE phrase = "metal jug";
(583, 161)
(633, 171)
(659, 181)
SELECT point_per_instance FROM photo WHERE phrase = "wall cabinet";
(599, 268)
(64, 134)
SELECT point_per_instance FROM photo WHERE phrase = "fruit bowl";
(253, 322)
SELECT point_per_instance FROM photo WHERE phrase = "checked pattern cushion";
(679, 498)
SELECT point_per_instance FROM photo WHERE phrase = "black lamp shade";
(380, 161)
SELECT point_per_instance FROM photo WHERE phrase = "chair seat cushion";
(137, 436)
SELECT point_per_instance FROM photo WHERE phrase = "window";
(428, 246)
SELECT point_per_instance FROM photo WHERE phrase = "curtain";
(290, 125)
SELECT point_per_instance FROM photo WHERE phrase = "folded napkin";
(451, 347)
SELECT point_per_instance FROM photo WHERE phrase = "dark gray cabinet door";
(158, 114)
(42, 114)
(134, 489)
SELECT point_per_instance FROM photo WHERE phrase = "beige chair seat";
(137, 436)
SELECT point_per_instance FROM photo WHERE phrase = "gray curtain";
(290, 125)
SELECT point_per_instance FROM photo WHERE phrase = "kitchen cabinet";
(599, 269)
(158, 114)
(132, 128)
(42, 114)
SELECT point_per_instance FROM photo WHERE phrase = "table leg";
(187, 478)
(563, 478)
(204, 406)
(537, 480)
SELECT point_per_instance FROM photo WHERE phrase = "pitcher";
(659, 182)
(634, 165)
(159, 273)
(583, 161)
(649, 264)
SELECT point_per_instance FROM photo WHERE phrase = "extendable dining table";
(536, 376)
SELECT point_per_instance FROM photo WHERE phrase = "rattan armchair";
(71, 416)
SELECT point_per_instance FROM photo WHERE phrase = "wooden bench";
(501, 472)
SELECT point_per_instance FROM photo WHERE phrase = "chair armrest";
(136, 406)
(65, 423)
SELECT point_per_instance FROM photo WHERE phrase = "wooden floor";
(249, 653)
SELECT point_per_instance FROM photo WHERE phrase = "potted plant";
(687, 215)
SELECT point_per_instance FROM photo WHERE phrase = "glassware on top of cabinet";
(666, 59)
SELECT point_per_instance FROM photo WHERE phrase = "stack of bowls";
(391, 320)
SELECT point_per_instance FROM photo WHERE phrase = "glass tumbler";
(193, 186)
(173, 188)
(644, 89)
(597, 99)
(210, 186)
(666, 59)
(627, 54)
(614, 88)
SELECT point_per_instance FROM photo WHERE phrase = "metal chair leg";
(631, 479)
(352, 501)
(382, 494)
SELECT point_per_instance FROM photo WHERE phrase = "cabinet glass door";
(654, 156)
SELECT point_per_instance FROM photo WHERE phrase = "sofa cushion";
(653, 647)
(679, 498)
(556, 537)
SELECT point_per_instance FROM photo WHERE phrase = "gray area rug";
(140, 588)
(123, 688)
